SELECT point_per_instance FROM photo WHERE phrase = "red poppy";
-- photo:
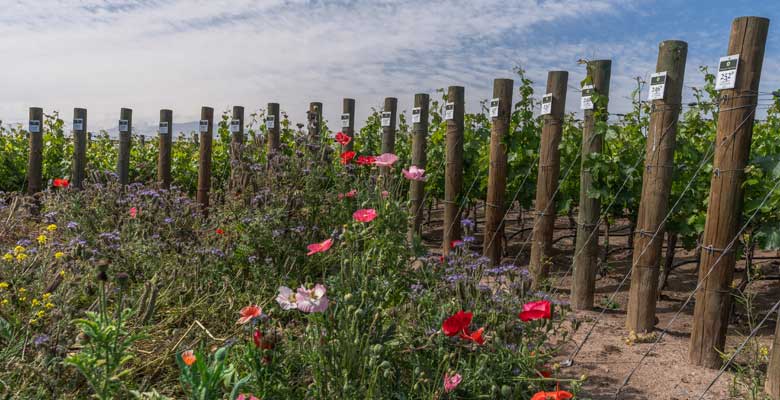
(534, 310)
(456, 323)
(343, 139)
(347, 156)
(544, 373)
(475, 337)
(188, 357)
(556, 395)
(249, 313)
(133, 212)
(63, 183)
(220, 231)
(366, 160)
(364, 215)
(257, 337)
(455, 243)
(315, 248)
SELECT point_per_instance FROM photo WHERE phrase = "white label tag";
(35, 126)
(345, 120)
(586, 102)
(727, 72)
(270, 121)
(416, 111)
(449, 111)
(163, 129)
(235, 125)
(657, 86)
(386, 117)
(547, 104)
(494, 108)
(204, 125)
(124, 125)
(78, 124)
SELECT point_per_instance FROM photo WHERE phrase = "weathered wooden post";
(142, 138)
(419, 144)
(500, 113)
(165, 131)
(236, 149)
(594, 103)
(772, 384)
(272, 124)
(125, 130)
(666, 96)
(315, 122)
(553, 108)
(738, 79)
(35, 158)
(206, 128)
(453, 170)
(348, 122)
(79, 147)
(387, 121)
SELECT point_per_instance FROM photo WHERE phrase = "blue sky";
(182, 54)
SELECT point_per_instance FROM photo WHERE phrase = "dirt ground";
(606, 357)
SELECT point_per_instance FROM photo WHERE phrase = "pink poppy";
(414, 174)
(243, 396)
(385, 194)
(249, 313)
(312, 300)
(534, 310)
(315, 248)
(385, 160)
(133, 212)
(286, 298)
(364, 215)
(343, 139)
(341, 196)
(352, 193)
(451, 382)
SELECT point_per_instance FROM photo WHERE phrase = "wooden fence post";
(35, 158)
(79, 147)
(206, 128)
(387, 122)
(348, 122)
(587, 247)
(494, 206)
(236, 149)
(666, 92)
(453, 171)
(272, 124)
(724, 211)
(125, 131)
(553, 108)
(772, 384)
(419, 144)
(165, 131)
(315, 126)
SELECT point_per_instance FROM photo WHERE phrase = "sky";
(184, 54)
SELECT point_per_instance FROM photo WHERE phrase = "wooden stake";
(453, 171)
(315, 125)
(79, 147)
(348, 124)
(125, 141)
(274, 141)
(166, 142)
(388, 131)
(724, 211)
(547, 180)
(419, 144)
(236, 149)
(206, 128)
(587, 247)
(656, 186)
(494, 206)
(35, 158)
(772, 385)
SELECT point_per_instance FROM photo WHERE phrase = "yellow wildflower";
(49, 306)
(51, 228)
(19, 249)
(22, 290)
(3, 285)
(62, 272)
(35, 302)
(8, 257)
(33, 321)
(46, 296)
(764, 351)
(40, 314)
(58, 254)
(4, 302)
(21, 257)
(42, 239)
(22, 298)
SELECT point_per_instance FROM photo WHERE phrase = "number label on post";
(449, 111)
(345, 120)
(547, 104)
(494, 108)
(586, 101)
(416, 111)
(235, 125)
(124, 125)
(386, 117)
(163, 128)
(35, 126)
(657, 86)
(727, 72)
(204, 125)
(78, 124)
(270, 122)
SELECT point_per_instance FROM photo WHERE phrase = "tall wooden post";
(388, 124)
(348, 122)
(165, 131)
(206, 128)
(35, 158)
(125, 131)
(315, 121)
(724, 211)
(554, 105)
(453, 170)
(494, 206)
(587, 248)
(79, 147)
(272, 124)
(772, 385)
(656, 185)
(236, 149)
(419, 144)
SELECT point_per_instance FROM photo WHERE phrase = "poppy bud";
(122, 279)
(102, 266)
(257, 337)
